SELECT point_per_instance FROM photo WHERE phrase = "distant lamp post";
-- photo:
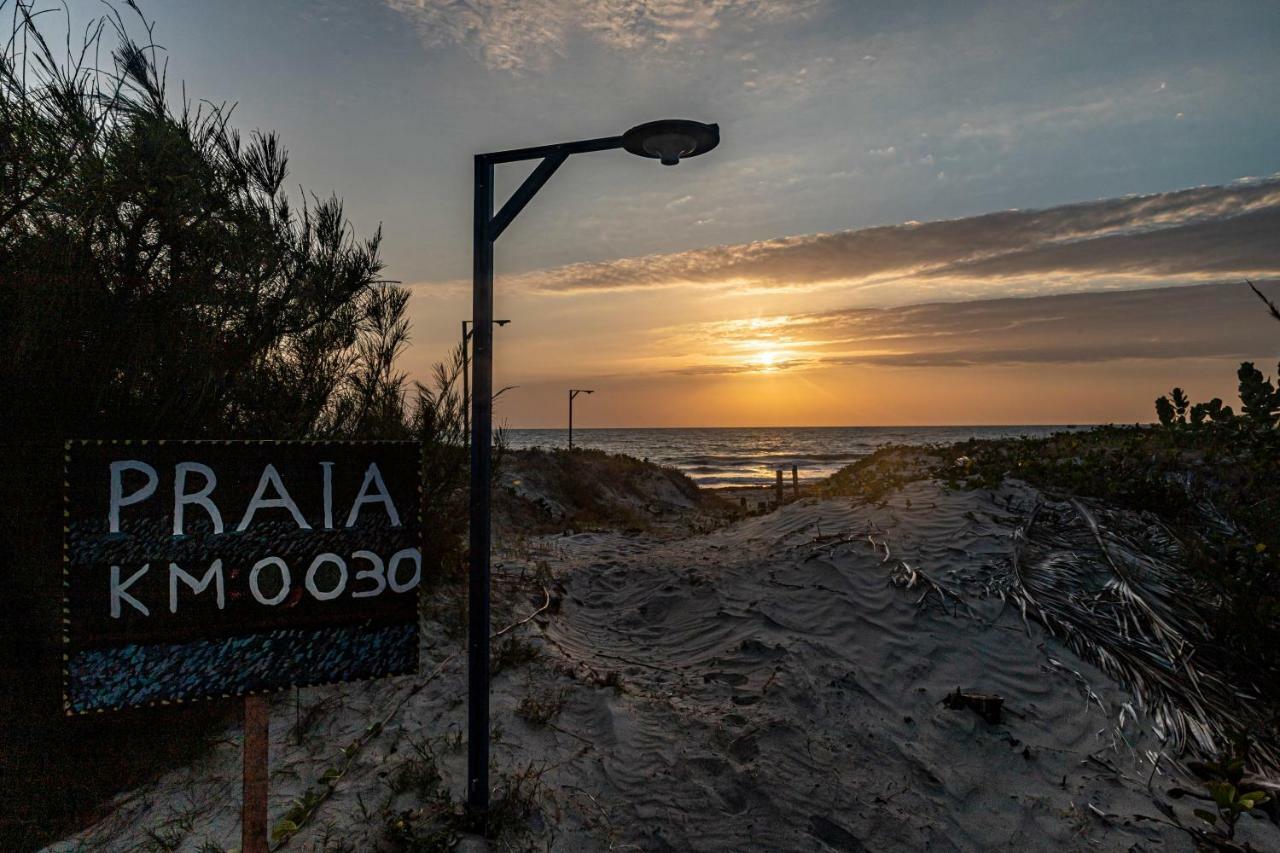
(573, 392)
(668, 141)
(466, 377)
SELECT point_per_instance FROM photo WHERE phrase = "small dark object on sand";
(988, 705)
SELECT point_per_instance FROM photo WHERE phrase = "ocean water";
(734, 456)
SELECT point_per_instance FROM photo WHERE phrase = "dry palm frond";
(1271, 306)
(909, 577)
(1136, 615)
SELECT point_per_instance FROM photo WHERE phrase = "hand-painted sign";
(201, 569)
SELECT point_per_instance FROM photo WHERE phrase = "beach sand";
(769, 684)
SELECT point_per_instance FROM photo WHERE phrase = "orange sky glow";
(1078, 314)
(918, 213)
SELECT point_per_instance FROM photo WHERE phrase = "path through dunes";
(765, 686)
(782, 694)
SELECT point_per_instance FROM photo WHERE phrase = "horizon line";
(837, 426)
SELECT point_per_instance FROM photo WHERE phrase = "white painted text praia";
(375, 578)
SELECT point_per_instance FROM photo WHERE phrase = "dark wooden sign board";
(195, 570)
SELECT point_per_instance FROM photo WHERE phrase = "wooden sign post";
(253, 809)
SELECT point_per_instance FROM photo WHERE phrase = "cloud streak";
(1182, 237)
(1204, 321)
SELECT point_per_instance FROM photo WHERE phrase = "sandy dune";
(764, 686)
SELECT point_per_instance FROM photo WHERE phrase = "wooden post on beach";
(779, 487)
(742, 501)
(253, 807)
(795, 481)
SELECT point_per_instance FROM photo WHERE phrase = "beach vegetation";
(441, 822)
(418, 773)
(1214, 493)
(163, 839)
(1232, 796)
(435, 417)
(540, 706)
(159, 280)
(514, 652)
(1228, 793)
(1259, 399)
(876, 476)
(1198, 497)
(587, 489)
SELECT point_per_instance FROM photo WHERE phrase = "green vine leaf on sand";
(1223, 793)
(1207, 816)
(1232, 795)
(283, 830)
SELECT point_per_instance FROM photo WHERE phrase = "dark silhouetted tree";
(156, 280)
(1213, 410)
(1257, 396)
(1180, 403)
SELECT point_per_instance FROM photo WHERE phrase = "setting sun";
(765, 360)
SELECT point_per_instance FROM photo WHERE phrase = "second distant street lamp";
(668, 141)
(573, 392)
(466, 376)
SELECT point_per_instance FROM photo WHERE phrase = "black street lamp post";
(466, 376)
(573, 392)
(667, 141)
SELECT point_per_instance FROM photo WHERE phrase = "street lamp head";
(669, 140)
